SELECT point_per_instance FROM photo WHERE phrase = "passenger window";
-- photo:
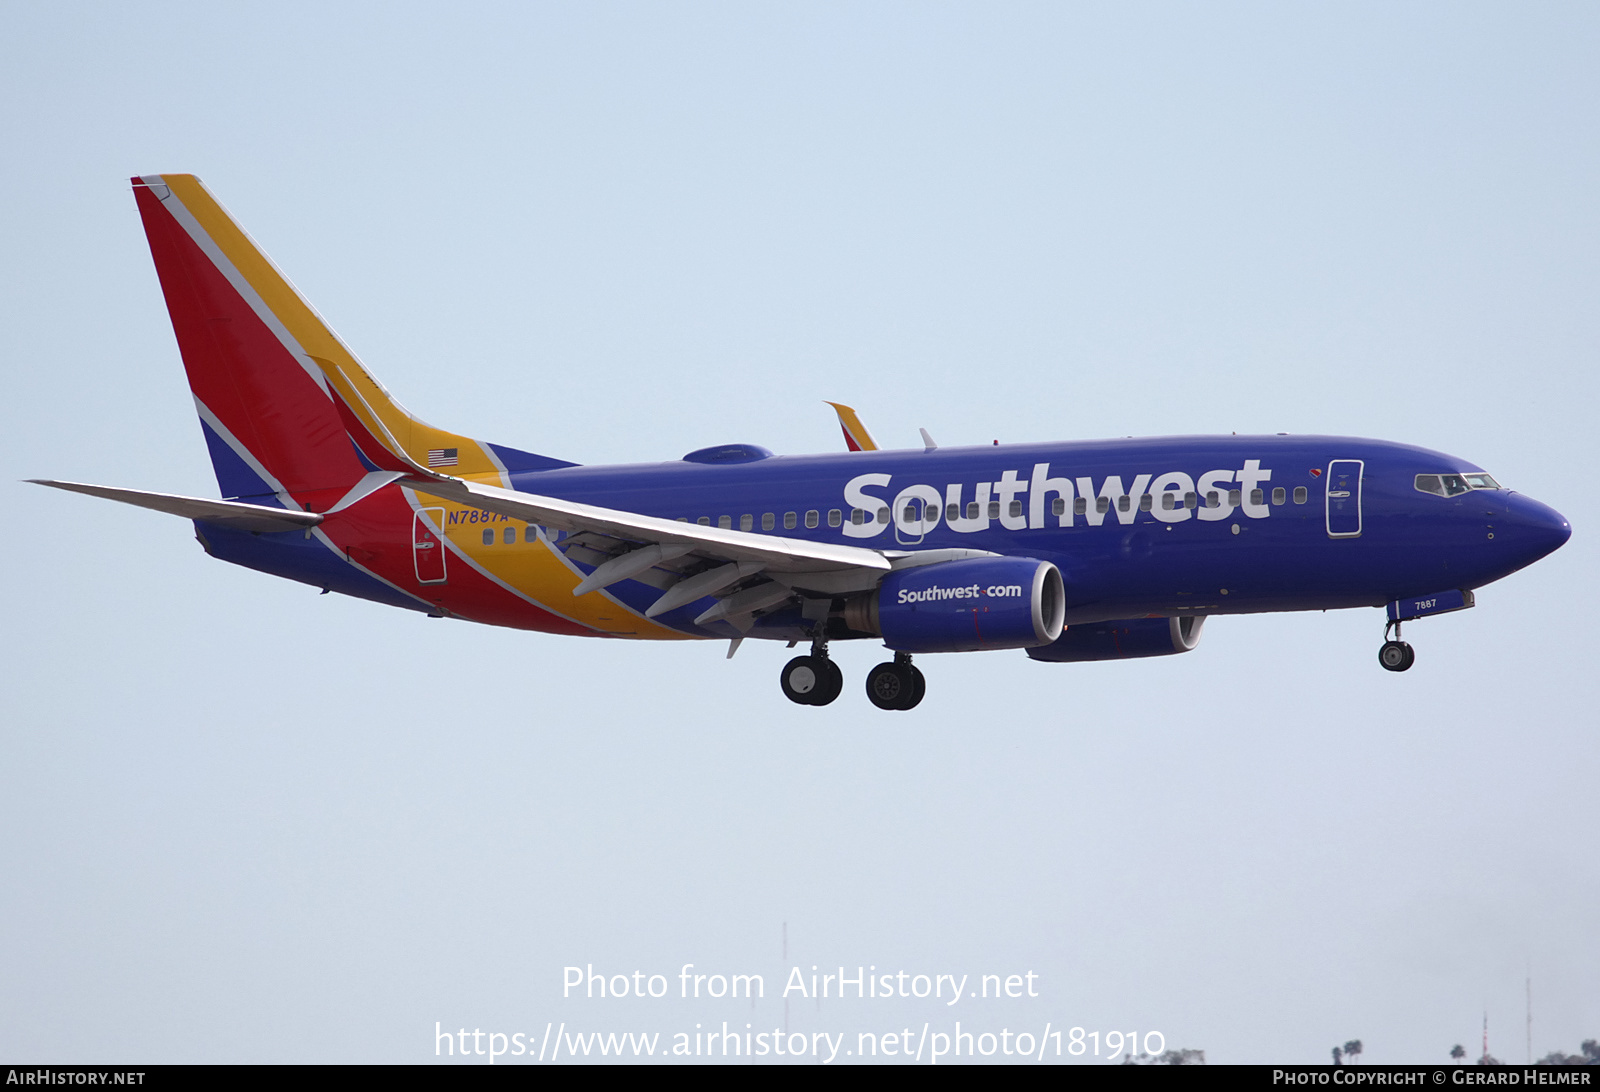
(683, 519)
(530, 533)
(1166, 502)
(1146, 502)
(952, 511)
(725, 522)
(857, 517)
(1059, 506)
(813, 518)
(1213, 499)
(911, 515)
(1233, 497)
(1124, 502)
(768, 521)
(1188, 500)
(509, 535)
(488, 538)
(994, 509)
(1299, 494)
(835, 517)
(1016, 509)
(1081, 506)
(883, 514)
(704, 521)
(1102, 505)
(746, 522)
(790, 520)
(1257, 497)
(1279, 495)
(972, 509)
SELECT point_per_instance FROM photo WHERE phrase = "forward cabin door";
(427, 549)
(1344, 498)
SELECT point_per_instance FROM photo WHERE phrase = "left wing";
(745, 571)
(753, 572)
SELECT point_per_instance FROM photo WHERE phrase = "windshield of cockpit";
(1453, 485)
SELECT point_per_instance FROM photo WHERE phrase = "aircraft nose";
(1536, 528)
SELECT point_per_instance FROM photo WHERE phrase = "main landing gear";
(813, 679)
(1395, 655)
(817, 680)
(897, 684)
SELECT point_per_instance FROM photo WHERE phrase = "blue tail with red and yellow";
(290, 414)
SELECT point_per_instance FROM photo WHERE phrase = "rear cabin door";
(1344, 498)
(427, 549)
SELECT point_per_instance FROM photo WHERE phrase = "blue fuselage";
(1167, 526)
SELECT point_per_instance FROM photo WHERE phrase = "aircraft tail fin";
(286, 407)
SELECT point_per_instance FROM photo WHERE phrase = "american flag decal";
(442, 456)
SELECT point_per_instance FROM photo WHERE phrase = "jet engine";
(1124, 639)
(964, 606)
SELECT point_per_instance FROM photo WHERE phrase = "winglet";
(856, 436)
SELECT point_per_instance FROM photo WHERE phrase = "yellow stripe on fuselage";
(538, 571)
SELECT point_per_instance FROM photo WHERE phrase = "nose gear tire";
(1396, 656)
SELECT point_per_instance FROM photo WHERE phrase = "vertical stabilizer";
(287, 409)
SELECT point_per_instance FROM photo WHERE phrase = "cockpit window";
(1453, 485)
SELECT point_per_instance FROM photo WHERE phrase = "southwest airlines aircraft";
(1101, 550)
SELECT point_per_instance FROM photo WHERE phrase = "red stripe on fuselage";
(376, 532)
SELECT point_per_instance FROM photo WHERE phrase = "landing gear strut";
(897, 684)
(1395, 655)
(813, 679)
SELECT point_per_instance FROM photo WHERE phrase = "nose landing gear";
(1395, 655)
(813, 679)
(897, 684)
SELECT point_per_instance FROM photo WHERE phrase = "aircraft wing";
(643, 542)
(774, 553)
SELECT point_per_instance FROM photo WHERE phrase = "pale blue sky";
(242, 822)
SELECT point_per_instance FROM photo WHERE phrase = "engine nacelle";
(964, 606)
(1124, 639)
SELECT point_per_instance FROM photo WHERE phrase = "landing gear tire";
(811, 680)
(1396, 656)
(921, 688)
(832, 683)
(895, 686)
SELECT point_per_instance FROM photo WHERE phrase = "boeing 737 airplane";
(1099, 550)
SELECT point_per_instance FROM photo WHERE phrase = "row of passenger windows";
(1444, 485)
(508, 535)
(791, 520)
(916, 512)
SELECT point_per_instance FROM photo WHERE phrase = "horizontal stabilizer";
(240, 517)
